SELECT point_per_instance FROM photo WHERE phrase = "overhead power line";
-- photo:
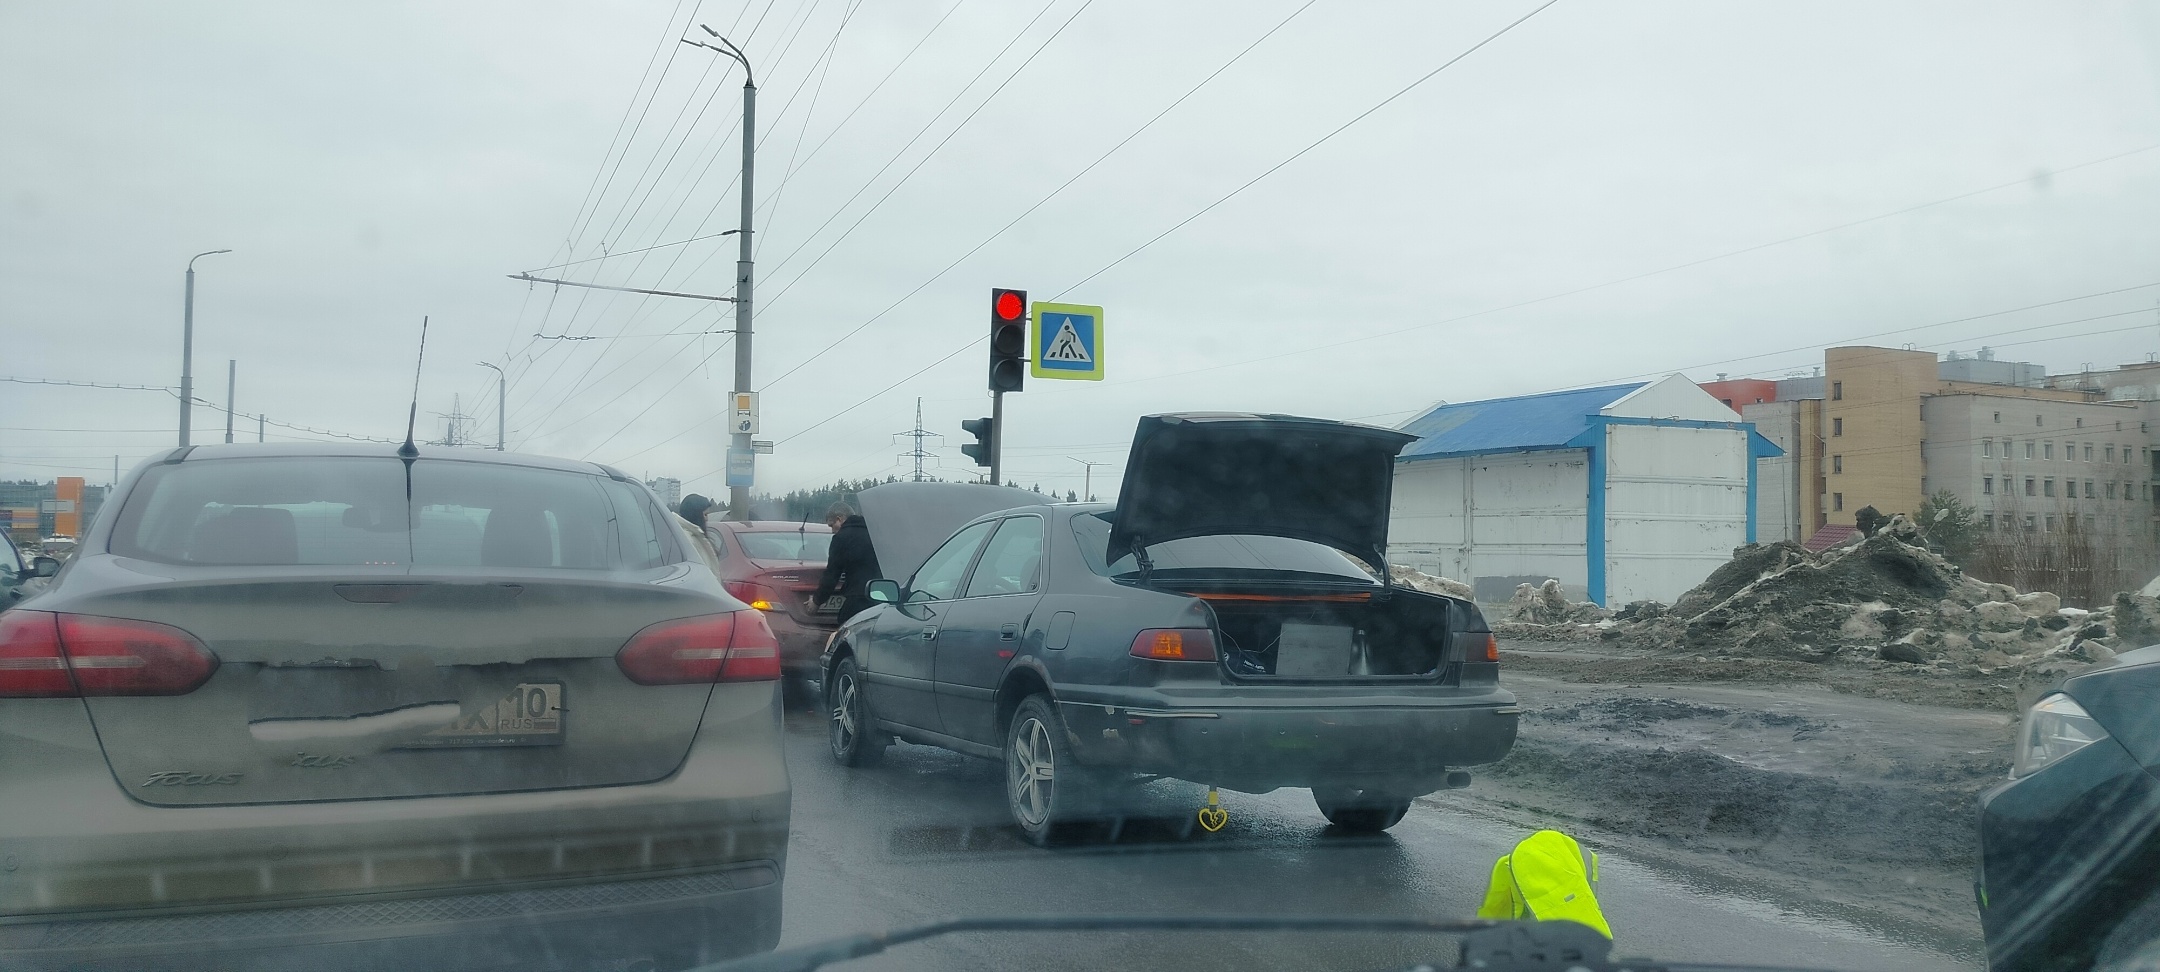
(1052, 194)
(1218, 202)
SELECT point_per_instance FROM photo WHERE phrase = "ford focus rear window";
(354, 512)
(1234, 553)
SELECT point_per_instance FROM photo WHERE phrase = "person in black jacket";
(851, 564)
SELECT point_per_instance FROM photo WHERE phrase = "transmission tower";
(918, 434)
(454, 424)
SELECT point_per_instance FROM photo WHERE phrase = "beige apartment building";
(1884, 427)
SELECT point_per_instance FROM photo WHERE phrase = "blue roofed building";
(1621, 492)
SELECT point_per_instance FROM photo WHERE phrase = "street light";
(187, 347)
(739, 493)
(502, 382)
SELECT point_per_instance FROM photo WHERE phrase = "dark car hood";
(1195, 474)
(907, 521)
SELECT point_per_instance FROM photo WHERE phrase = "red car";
(774, 566)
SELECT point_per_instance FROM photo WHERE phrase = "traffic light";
(1008, 339)
(980, 450)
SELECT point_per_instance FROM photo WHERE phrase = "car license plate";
(531, 715)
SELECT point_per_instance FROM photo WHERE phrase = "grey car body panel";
(88, 853)
(1249, 735)
(908, 521)
(1196, 474)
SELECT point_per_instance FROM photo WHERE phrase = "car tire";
(850, 732)
(1045, 786)
(1360, 811)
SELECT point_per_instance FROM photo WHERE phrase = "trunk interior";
(1332, 637)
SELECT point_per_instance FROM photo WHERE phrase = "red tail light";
(47, 655)
(1175, 644)
(31, 663)
(1478, 646)
(758, 596)
(733, 647)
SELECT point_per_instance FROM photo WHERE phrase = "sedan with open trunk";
(1228, 622)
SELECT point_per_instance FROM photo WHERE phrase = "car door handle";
(1010, 632)
(929, 632)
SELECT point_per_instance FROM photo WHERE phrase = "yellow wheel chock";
(1213, 817)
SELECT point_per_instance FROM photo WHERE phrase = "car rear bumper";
(1402, 745)
(676, 920)
(801, 642)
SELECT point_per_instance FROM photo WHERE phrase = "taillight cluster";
(734, 647)
(1477, 646)
(1175, 644)
(47, 655)
(756, 595)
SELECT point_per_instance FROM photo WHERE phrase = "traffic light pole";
(997, 436)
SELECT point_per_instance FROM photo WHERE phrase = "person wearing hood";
(851, 564)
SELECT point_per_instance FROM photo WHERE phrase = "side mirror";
(44, 567)
(883, 591)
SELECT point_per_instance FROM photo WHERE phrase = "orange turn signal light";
(1175, 644)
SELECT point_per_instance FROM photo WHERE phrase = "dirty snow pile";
(1542, 612)
(1883, 598)
(1418, 580)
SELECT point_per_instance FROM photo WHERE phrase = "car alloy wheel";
(1031, 766)
(1043, 784)
(855, 741)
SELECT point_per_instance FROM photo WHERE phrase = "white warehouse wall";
(1675, 507)
(1517, 514)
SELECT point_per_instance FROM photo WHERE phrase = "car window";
(10, 561)
(1009, 562)
(1091, 532)
(355, 511)
(784, 544)
(938, 578)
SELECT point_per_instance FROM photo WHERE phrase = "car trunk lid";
(1209, 474)
(334, 687)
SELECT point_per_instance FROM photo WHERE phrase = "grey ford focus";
(327, 707)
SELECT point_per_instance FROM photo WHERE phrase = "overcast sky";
(1606, 191)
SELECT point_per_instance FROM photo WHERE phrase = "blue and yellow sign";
(1068, 342)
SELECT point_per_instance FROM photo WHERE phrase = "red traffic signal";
(1008, 339)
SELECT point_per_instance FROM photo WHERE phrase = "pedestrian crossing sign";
(1068, 341)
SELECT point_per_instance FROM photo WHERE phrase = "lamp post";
(187, 347)
(502, 382)
(739, 496)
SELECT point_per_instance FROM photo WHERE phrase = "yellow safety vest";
(1548, 877)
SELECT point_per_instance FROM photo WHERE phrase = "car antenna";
(408, 451)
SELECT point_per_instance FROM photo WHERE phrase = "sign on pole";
(741, 468)
(745, 413)
(1068, 342)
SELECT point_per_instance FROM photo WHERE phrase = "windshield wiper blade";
(804, 958)
(1495, 946)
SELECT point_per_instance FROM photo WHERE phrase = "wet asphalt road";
(923, 838)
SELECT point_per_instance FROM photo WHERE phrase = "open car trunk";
(1396, 635)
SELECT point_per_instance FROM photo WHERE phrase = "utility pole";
(260, 421)
(232, 375)
(739, 443)
(1087, 479)
(187, 348)
(502, 383)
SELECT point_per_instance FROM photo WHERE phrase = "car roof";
(374, 450)
(761, 526)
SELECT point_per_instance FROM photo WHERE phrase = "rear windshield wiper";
(1494, 946)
